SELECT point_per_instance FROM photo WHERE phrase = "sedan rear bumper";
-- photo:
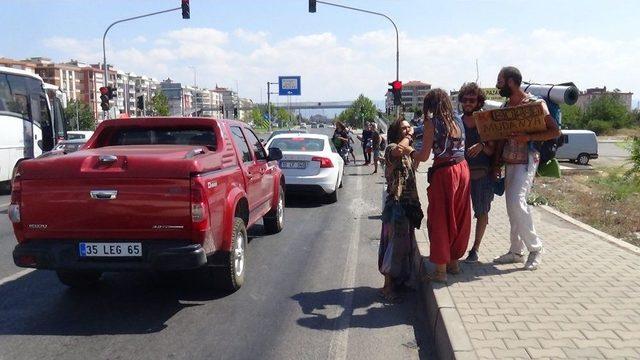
(325, 181)
(64, 255)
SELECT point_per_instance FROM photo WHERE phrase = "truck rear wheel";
(78, 278)
(235, 267)
(274, 220)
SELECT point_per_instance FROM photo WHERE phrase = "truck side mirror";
(275, 154)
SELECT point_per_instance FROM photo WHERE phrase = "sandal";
(391, 297)
(437, 276)
(453, 268)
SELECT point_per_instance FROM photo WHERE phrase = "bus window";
(59, 119)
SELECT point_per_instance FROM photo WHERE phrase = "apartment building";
(413, 93)
(229, 102)
(588, 96)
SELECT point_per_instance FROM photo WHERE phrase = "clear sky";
(339, 53)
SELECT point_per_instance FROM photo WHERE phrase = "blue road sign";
(288, 85)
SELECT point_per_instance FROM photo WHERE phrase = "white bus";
(31, 123)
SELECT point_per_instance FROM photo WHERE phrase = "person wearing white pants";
(521, 159)
(518, 182)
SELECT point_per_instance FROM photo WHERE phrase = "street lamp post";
(104, 37)
(379, 14)
(312, 10)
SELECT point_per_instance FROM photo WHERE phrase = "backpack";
(549, 148)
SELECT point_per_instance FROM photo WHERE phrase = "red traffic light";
(104, 90)
(396, 85)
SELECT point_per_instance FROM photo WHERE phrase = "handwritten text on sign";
(501, 123)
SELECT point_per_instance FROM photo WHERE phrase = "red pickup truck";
(158, 194)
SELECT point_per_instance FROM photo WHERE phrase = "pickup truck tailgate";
(104, 208)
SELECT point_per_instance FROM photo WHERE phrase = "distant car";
(314, 126)
(289, 131)
(303, 126)
(310, 164)
(320, 125)
(72, 135)
(579, 146)
(69, 146)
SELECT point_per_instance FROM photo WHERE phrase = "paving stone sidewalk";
(583, 302)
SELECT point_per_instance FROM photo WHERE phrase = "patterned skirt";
(397, 242)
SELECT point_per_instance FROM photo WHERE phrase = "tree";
(78, 115)
(361, 110)
(159, 104)
(607, 111)
(572, 117)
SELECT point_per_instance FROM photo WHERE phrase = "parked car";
(579, 146)
(289, 131)
(69, 146)
(73, 135)
(159, 194)
(310, 164)
(314, 125)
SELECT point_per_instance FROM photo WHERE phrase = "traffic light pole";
(392, 23)
(104, 52)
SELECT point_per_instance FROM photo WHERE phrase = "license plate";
(110, 249)
(293, 164)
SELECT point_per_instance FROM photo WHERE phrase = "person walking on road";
(377, 142)
(521, 155)
(367, 143)
(401, 213)
(449, 210)
(478, 156)
(342, 140)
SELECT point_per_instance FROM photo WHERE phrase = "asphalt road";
(311, 293)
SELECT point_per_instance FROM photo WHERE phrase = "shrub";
(600, 127)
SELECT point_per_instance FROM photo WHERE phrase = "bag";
(478, 172)
(548, 148)
(387, 260)
(550, 168)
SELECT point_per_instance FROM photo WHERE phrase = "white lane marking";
(16, 276)
(340, 339)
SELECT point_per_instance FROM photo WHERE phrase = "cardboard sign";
(501, 123)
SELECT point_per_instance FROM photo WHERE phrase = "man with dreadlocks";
(449, 210)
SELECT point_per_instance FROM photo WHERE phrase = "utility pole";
(269, 101)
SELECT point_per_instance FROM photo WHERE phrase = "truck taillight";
(16, 199)
(199, 212)
(324, 162)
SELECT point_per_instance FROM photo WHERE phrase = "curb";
(604, 236)
(449, 335)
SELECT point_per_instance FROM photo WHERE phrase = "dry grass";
(606, 200)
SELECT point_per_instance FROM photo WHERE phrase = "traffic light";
(140, 102)
(235, 112)
(104, 98)
(113, 92)
(396, 90)
(186, 12)
(312, 6)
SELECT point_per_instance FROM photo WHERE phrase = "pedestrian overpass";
(314, 105)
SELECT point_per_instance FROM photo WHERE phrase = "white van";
(579, 146)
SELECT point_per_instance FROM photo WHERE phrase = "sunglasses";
(469, 100)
